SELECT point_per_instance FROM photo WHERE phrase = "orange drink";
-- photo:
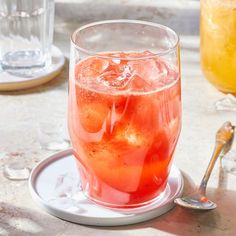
(218, 43)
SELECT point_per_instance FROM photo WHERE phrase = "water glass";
(26, 35)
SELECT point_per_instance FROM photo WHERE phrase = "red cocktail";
(124, 123)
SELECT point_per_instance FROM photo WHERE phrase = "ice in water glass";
(26, 34)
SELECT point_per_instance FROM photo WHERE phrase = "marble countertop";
(31, 119)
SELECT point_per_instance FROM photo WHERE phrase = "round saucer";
(9, 82)
(54, 185)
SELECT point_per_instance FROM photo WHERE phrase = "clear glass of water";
(26, 35)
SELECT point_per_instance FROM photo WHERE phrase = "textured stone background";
(29, 117)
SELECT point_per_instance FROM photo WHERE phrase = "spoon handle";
(224, 139)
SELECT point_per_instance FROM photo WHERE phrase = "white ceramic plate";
(54, 185)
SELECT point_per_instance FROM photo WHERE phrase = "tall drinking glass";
(26, 34)
(124, 109)
(218, 47)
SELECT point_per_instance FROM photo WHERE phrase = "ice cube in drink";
(124, 122)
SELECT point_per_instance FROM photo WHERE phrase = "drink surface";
(218, 43)
(124, 122)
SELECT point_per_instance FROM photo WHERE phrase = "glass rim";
(125, 21)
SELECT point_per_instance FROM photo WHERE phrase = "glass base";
(25, 63)
(161, 197)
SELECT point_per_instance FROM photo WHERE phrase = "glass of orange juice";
(124, 110)
(218, 43)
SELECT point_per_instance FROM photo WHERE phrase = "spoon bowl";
(196, 201)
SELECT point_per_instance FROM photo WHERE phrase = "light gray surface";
(22, 113)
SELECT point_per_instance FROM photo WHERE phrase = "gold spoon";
(198, 200)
